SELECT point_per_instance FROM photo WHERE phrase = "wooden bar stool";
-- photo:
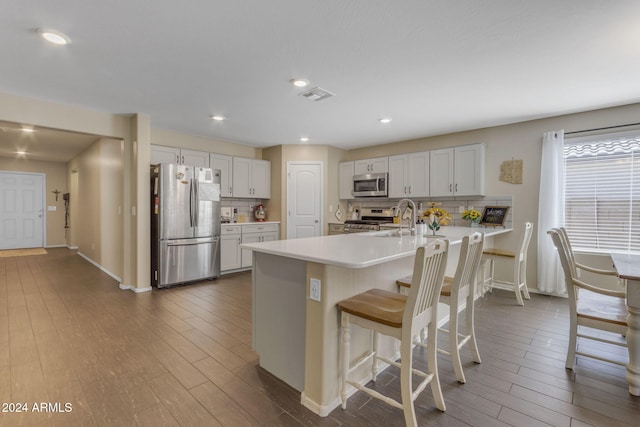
(461, 292)
(401, 317)
(519, 260)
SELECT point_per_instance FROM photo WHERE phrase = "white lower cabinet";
(232, 257)
(255, 233)
(230, 253)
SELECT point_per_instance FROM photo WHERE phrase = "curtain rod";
(605, 128)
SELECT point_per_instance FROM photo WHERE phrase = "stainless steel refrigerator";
(185, 224)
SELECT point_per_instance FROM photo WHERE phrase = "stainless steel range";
(370, 220)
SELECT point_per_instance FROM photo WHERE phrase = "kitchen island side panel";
(279, 316)
(323, 372)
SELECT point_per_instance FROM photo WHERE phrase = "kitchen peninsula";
(296, 286)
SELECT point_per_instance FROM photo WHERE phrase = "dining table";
(628, 267)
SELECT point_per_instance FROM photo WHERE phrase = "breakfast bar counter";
(296, 286)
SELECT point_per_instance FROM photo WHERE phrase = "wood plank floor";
(183, 356)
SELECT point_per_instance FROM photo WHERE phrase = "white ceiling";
(433, 66)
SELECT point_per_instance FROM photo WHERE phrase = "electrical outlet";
(314, 289)
(470, 207)
(460, 209)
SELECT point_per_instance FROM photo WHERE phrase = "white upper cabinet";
(458, 171)
(194, 158)
(251, 178)
(345, 180)
(181, 156)
(409, 175)
(367, 166)
(469, 170)
(225, 165)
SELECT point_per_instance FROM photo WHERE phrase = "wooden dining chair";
(593, 307)
(402, 317)
(518, 259)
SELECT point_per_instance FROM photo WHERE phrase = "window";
(602, 191)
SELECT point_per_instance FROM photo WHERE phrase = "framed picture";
(494, 216)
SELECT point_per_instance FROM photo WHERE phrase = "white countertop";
(359, 250)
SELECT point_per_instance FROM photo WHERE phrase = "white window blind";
(602, 192)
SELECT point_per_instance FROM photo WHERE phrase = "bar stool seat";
(401, 317)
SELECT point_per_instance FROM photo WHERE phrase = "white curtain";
(550, 212)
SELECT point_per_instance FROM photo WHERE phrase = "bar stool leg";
(346, 338)
(406, 386)
(374, 353)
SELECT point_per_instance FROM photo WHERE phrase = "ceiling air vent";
(317, 94)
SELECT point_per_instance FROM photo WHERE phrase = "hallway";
(182, 356)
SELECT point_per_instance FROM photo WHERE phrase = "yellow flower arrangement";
(443, 215)
(471, 215)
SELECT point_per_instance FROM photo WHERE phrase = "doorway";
(304, 199)
(22, 212)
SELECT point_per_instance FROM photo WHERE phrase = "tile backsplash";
(245, 208)
(451, 206)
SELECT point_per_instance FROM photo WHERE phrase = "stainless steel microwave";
(370, 185)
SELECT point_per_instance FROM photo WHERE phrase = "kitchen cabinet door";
(469, 170)
(409, 175)
(241, 177)
(261, 179)
(441, 172)
(194, 158)
(225, 165)
(345, 180)
(230, 253)
(375, 165)
(162, 154)
(247, 255)
(398, 175)
(458, 171)
(417, 174)
(251, 178)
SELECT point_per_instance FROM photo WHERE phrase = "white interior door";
(304, 199)
(21, 210)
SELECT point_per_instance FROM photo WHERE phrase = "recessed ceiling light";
(28, 130)
(304, 139)
(21, 153)
(385, 120)
(298, 82)
(218, 117)
(55, 37)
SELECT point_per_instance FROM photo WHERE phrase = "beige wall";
(516, 141)
(96, 197)
(55, 179)
(279, 156)
(182, 140)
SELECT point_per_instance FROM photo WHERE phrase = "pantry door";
(304, 199)
(21, 210)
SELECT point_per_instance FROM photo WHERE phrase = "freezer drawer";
(186, 260)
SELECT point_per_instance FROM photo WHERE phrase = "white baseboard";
(56, 246)
(114, 276)
(321, 410)
(133, 289)
(72, 247)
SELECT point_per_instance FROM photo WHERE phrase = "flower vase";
(475, 223)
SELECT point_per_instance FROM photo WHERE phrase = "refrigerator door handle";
(196, 203)
(208, 242)
(191, 203)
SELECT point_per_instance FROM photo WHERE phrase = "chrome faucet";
(412, 226)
